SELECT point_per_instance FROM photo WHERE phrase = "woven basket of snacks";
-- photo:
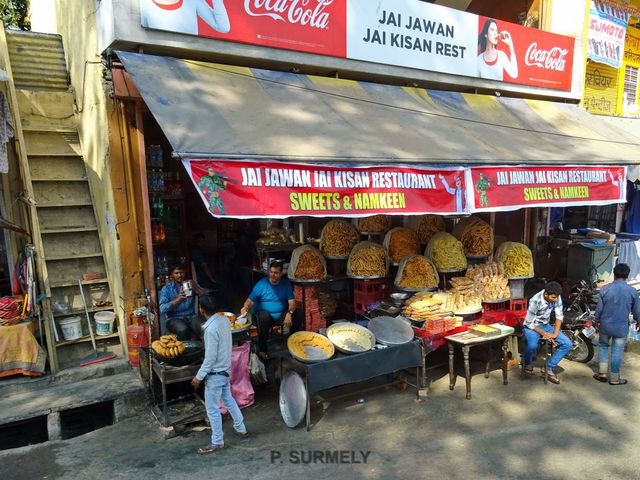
(307, 264)
(446, 253)
(337, 239)
(368, 260)
(416, 273)
(516, 258)
(426, 226)
(476, 236)
(401, 242)
(373, 224)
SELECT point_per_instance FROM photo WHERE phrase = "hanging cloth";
(6, 132)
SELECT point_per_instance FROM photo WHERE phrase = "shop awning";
(219, 111)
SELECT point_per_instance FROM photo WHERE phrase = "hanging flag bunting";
(607, 31)
(493, 189)
(252, 189)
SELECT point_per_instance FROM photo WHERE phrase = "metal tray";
(518, 278)
(391, 330)
(497, 300)
(416, 290)
(295, 280)
(336, 258)
(193, 352)
(318, 355)
(348, 346)
(293, 399)
(451, 271)
(470, 312)
(355, 277)
(476, 257)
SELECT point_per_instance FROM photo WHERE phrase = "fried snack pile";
(402, 242)
(489, 280)
(309, 266)
(516, 258)
(476, 237)
(310, 346)
(418, 272)
(430, 225)
(374, 224)
(446, 252)
(168, 346)
(368, 261)
(350, 338)
(338, 238)
(426, 305)
(272, 236)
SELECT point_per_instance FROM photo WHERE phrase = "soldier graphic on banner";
(210, 185)
(482, 185)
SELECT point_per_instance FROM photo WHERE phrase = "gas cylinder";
(137, 336)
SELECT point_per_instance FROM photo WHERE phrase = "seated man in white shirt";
(542, 307)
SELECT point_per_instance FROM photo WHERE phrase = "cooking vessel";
(194, 352)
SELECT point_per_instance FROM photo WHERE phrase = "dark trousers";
(184, 327)
(266, 321)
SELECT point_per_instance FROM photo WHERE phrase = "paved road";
(581, 429)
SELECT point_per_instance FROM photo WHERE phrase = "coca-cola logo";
(553, 59)
(304, 12)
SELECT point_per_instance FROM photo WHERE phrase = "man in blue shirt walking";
(215, 372)
(616, 302)
(274, 304)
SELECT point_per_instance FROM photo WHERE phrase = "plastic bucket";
(104, 322)
(71, 328)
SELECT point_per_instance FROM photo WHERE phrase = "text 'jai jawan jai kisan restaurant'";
(404, 219)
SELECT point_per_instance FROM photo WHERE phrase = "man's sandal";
(553, 378)
(622, 381)
(209, 449)
(600, 378)
(528, 369)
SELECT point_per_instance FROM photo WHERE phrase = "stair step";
(48, 231)
(74, 283)
(13, 386)
(52, 144)
(73, 179)
(55, 258)
(50, 111)
(22, 406)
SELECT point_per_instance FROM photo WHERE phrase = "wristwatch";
(291, 312)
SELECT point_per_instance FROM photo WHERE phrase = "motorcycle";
(578, 324)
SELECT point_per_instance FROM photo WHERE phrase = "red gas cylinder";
(137, 336)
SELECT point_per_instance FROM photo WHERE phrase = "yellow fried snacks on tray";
(374, 224)
(416, 272)
(446, 253)
(476, 236)
(368, 260)
(428, 226)
(310, 346)
(401, 242)
(426, 305)
(516, 258)
(168, 346)
(338, 238)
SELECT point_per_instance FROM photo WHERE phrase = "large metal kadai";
(293, 399)
(390, 330)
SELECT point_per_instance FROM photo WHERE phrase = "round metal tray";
(391, 330)
(356, 277)
(315, 354)
(348, 345)
(518, 278)
(336, 258)
(497, 300)
(470, 312)
(416, 290)
(194, 351)
(451, 271)
(476, 257)
(295, 280)
(293, 399)
(372, 233)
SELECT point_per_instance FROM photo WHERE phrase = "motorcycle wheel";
(582, 350)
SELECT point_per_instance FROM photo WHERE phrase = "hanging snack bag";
(415, 273)
(338, 238)
(446, 253)
(401, 242)
(516, 259)
(476, 236)
(307, 263)
(368, 260)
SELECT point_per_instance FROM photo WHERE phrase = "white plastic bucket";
(104, 322)
(71, 328)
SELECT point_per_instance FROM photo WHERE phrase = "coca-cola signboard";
(408, 33)
(315, 26)
(513, 53)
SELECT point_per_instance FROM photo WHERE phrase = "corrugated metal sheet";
(235, 112)
(37, 61)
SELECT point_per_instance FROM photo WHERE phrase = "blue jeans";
(219, 387)
(617, 349)
(532, 338)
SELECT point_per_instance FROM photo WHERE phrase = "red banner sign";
(246, 189)
(511, 188)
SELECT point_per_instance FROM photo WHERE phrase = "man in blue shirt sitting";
(616, 302)
(274, 304)
(177, 307)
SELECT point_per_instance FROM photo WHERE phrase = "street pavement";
(580, 429)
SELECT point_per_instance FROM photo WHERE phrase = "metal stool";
(547, 345)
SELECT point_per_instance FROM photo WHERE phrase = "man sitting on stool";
(542, 307)
(274, 304)
(177, 307)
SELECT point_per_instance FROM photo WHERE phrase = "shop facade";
(167, 105)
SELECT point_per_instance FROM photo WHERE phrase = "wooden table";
(466, 341)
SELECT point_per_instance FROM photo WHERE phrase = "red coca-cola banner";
(511, 188)
(513, 53)
(248, 189)
(408, 33)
